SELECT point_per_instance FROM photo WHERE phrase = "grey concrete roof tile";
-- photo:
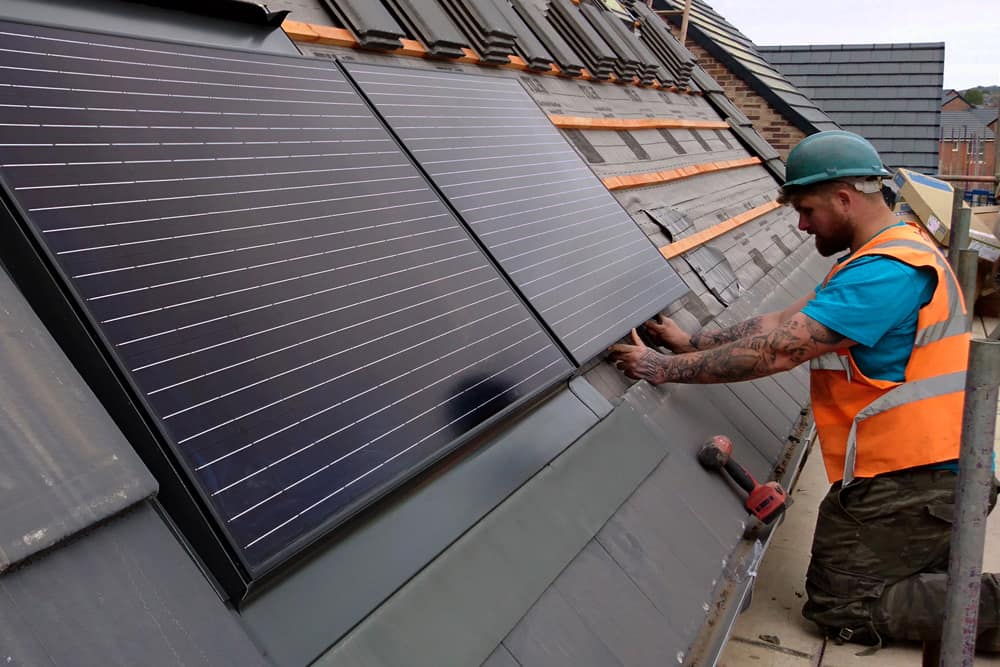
(127, 594)
(553, 633)
(66, 464)
(965, 123)
(501, 657)
(888, 86)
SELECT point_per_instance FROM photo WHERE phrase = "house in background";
(888, 93)
(952, 100)
(967, 143)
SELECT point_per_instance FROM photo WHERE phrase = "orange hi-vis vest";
(868, 427)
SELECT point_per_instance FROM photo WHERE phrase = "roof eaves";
(755, 83)
(703, 38)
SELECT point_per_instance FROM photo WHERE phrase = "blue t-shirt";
(874, 301)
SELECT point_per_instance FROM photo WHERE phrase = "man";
(887, 341)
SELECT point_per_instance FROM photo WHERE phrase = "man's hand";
(785, 345)
(666, 331)
(638, 361)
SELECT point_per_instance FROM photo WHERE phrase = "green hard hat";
(832, 154)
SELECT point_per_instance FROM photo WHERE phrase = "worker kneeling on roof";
(887, 342)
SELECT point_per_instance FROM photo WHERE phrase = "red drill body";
(765, 501)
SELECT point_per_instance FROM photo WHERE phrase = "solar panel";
(563, 239)
(306, 320)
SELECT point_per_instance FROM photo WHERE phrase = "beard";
(837, 238)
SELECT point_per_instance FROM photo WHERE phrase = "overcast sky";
(970, 29)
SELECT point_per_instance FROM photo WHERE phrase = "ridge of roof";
(850, 46)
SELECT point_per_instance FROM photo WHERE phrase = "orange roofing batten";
(519, 63)
(706, 235)
(656, 177)
(411, 47)
(333, 36)
(469, 57)
(516, 62)
(585, 123)
(299, 32)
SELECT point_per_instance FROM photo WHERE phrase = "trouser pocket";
(840, 602)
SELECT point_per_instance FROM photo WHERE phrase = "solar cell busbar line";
(549, 222)
(305, 321)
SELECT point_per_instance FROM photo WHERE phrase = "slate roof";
(888, 93)
(726, 43)
(972, 123)
(952, 94)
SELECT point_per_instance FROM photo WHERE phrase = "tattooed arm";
(677, 340)
(763, 352)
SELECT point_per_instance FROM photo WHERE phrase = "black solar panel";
(306, 320)
(549, 222)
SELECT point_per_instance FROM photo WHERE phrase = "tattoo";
(706, 340)
(651, 366)
(748, 358)
(822, 334)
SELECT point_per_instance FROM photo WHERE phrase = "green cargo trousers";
(880, 561)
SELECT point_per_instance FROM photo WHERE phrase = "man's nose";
(802, 223)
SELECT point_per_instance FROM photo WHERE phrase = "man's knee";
(913, 609)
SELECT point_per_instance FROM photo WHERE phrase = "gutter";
(735, 591)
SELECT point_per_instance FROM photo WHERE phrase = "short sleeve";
(868, 298)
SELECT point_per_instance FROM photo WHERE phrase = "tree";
(974, 96)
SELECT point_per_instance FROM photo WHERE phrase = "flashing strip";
(584, 123)
(706, 235)
(657, 177)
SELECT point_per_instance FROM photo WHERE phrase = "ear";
(844, 196)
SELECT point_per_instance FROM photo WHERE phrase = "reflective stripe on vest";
(831, 361)
(907, 392)
(955, 324)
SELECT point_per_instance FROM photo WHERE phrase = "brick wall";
(955, 104)
(953, 158)
(766, 120)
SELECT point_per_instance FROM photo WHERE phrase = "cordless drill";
(764, 501)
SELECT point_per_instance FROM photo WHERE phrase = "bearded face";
(823, 217)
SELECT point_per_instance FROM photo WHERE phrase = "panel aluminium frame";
(211, 217)
(548, 221)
